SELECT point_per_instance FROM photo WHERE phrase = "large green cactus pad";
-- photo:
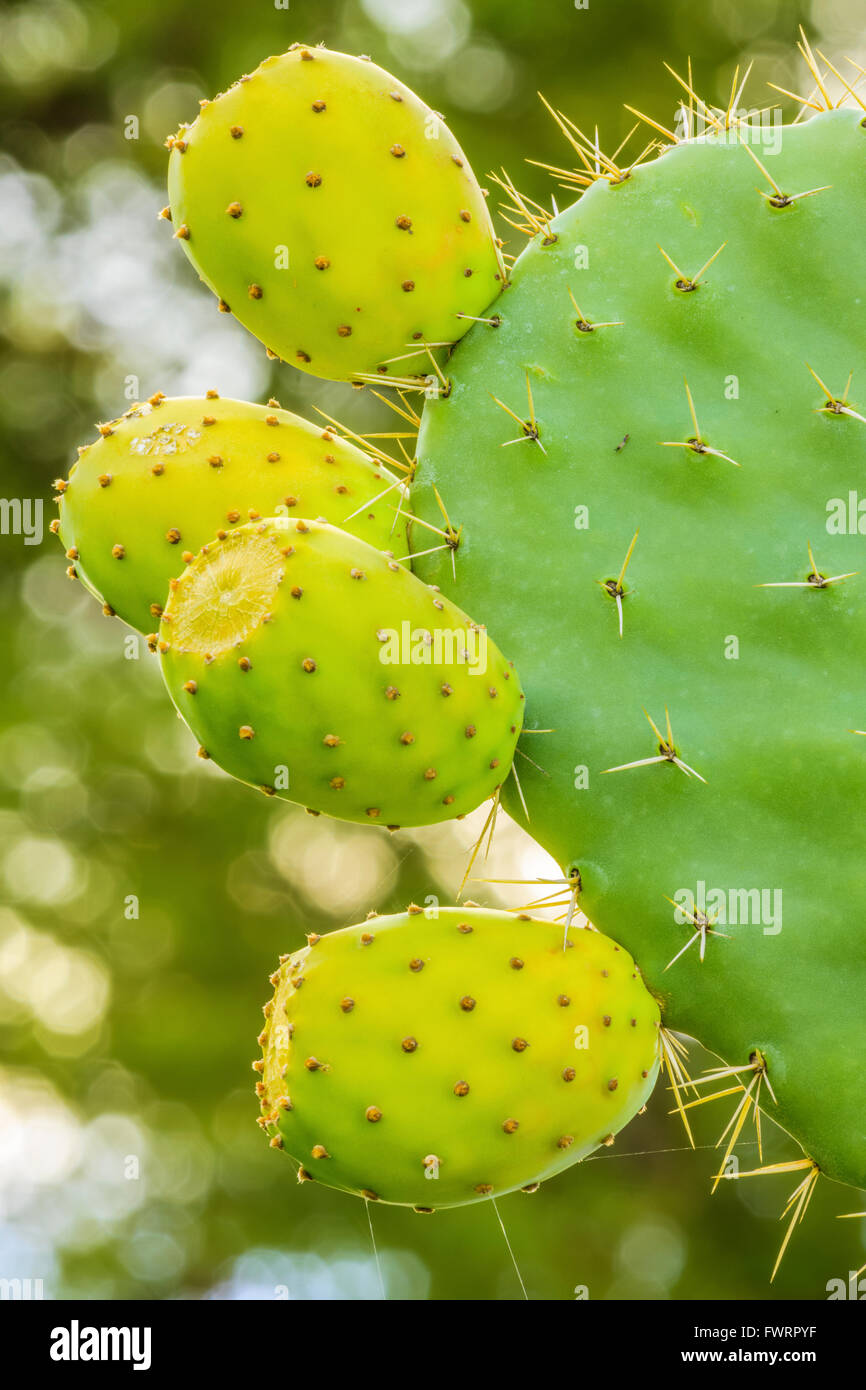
(333, 213)
(438, 1062)
(764, 685)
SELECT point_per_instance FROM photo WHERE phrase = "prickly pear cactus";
(334, 214)
(169, 475)
(647, 454)
(306, 664)
(437, 1062)
(708, 434)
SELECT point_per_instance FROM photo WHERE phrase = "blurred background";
(144, 897)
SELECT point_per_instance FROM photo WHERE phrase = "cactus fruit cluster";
(653, 420)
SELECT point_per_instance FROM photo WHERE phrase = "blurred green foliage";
(145, 897)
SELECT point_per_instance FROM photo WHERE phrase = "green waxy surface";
(764, 684)
(170, 473)
(334, 213)
(372, 1028)
(283, 629)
